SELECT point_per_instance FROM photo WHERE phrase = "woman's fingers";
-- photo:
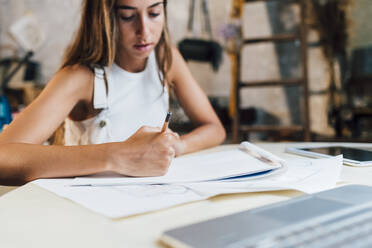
(148, 152)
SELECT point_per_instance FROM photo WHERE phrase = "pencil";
(166, 122)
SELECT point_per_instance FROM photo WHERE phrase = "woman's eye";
(127, 18)
(154, 14)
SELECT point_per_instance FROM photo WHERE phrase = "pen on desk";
(261, 154)
(113, 184)
(166, 122)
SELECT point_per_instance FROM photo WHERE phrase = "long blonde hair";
(95, 44)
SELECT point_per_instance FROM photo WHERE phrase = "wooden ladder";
(238, 84)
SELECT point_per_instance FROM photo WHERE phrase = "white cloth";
(133, 100)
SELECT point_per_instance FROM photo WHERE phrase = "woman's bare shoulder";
(177, 62)
(76, 80)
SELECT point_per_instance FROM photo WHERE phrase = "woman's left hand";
(180, 145)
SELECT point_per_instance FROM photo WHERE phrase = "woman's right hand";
(148, 152)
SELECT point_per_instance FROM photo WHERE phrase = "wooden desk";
(33, 217)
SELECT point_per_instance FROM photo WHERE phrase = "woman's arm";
(37, 122)
(21, 163)
(23, 158)
(209, 131)
(147, 153)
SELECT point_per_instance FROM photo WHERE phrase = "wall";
(362, 28)
(58, 20)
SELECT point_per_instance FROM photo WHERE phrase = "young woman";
(112, 94)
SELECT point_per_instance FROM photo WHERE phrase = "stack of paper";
(193, 178)
(191, 169)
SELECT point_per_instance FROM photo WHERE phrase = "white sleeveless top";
(133, 100)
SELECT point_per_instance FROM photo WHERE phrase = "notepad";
(222, 165)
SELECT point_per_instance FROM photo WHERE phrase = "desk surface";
(33, 217)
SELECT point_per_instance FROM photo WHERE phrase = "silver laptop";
(340, 217)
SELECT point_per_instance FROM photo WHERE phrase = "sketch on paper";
(145, 190)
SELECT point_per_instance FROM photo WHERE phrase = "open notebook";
(246, 161)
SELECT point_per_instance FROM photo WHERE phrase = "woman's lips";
(143, 47)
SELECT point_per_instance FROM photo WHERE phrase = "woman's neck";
(129, 63)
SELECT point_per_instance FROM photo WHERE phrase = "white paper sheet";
(197, 168)
(122, 201)
(304, 175)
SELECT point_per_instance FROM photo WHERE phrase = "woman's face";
(140, 25)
